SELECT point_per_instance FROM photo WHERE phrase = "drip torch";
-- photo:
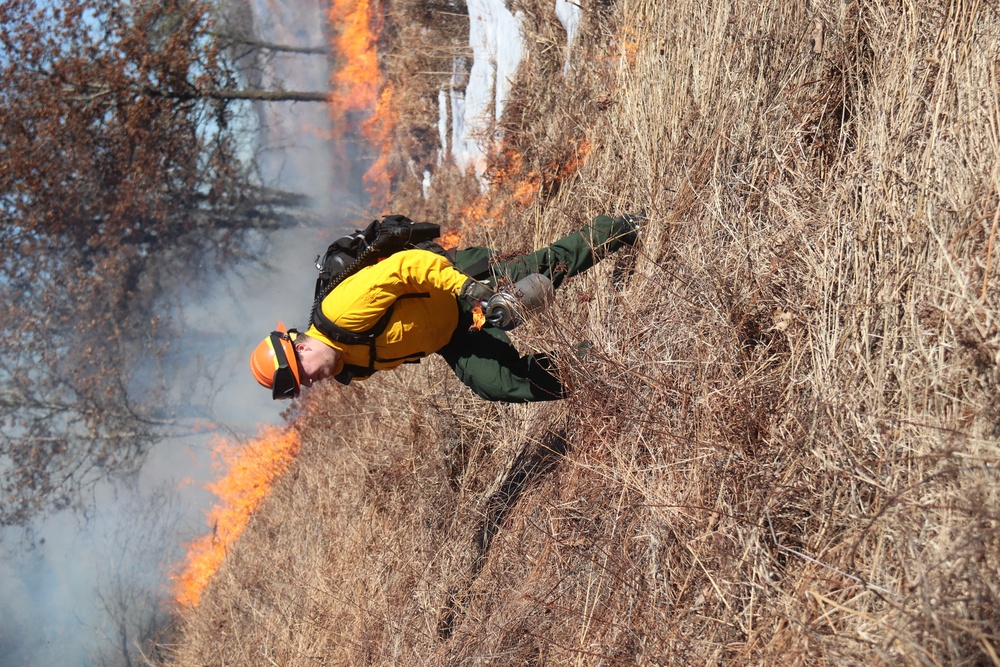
(509, 307)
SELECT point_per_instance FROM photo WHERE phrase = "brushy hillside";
(782, 447)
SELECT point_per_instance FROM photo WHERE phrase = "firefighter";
(426, 304)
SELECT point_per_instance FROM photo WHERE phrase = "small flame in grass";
(362, 101)
(449, 240)
(250, 470)
(478, 318)
(513, 183)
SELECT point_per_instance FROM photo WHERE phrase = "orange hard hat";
(275, 365)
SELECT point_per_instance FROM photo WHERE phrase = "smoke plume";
(91, 582)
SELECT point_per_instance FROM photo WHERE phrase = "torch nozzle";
(508, 308)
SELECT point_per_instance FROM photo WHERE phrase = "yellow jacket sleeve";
(360, 300)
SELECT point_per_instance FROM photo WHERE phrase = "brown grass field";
(782, 447)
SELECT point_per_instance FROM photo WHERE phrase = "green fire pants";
(486, 360)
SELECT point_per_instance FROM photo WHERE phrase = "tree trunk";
(280, 48)
(246, 94)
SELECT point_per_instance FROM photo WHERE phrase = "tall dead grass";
(782, 442)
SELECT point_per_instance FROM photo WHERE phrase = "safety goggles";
(284, 383)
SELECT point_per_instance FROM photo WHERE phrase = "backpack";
(349, 254)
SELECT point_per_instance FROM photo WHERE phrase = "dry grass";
(783, 445)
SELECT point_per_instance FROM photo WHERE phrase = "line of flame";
(359, 89)
(357, 79)
(249, 472)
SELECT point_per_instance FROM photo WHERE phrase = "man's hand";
(475, 293)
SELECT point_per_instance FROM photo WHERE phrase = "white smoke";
(64, 600)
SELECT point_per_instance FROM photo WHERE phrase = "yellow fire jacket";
(419, 286)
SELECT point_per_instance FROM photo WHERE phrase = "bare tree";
(122, 167)
(140, 548)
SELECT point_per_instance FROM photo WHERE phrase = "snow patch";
(476, 96)
(442, 123)
(568, 13)
(425, 184)
(495, 38)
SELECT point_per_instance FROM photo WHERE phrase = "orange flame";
(357, 79)
(513, 183)
(378, 131)
(478, 318)
(449, 240)
(359, 88)
(250, 470)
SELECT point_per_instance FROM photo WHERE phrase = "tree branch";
(248, 94)
(270, 46)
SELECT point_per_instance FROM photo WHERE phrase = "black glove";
(630, 227)
(475, 293)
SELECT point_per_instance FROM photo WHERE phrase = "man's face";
(316, 361)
